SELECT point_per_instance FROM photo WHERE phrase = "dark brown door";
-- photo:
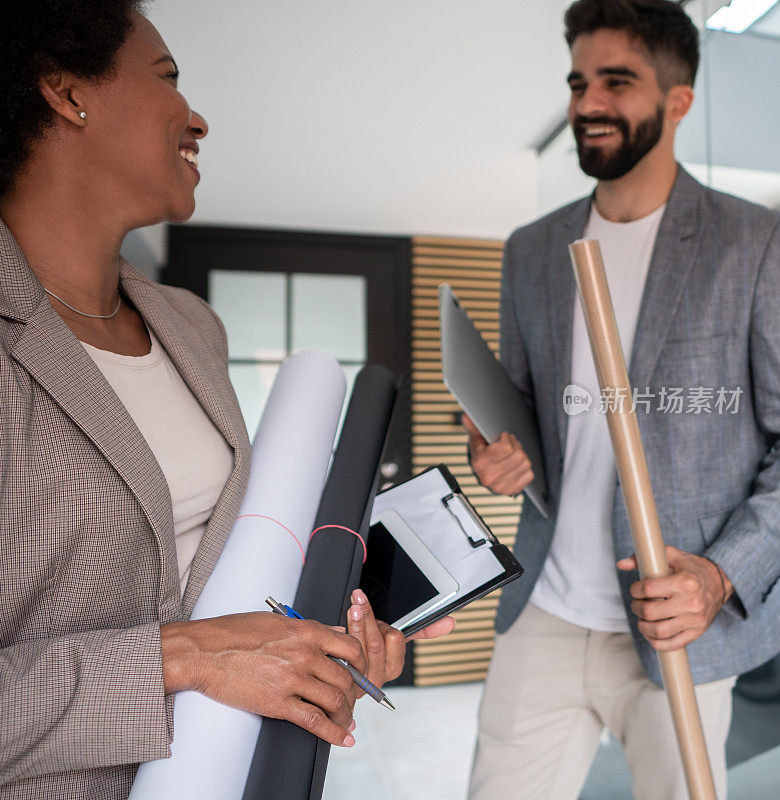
(281, 291)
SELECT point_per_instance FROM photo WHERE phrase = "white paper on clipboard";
(461, 542)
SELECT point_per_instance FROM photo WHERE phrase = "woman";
(123, 457)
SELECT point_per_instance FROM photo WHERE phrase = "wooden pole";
(640, 503)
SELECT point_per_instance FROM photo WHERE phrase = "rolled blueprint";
(213, 744)
(640, 502)
(332, 571)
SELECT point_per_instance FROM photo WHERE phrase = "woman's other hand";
(441, 627)
(268, 665)
(385, 646)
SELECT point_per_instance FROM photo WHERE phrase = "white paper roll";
(213, 744)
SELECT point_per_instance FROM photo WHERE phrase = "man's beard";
(609, 166)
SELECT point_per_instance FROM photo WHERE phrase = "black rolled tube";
(289, 763)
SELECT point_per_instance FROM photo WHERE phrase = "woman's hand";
(384, 646)
(269, 665)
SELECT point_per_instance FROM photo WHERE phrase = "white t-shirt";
(192, 454)
(578, 582)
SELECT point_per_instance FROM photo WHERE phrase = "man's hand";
(269, 665)
(675, 610)
(385, 646)
(503, 467)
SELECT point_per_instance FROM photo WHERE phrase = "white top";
(192, 454)
(578, 582)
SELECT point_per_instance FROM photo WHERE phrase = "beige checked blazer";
(87, 556)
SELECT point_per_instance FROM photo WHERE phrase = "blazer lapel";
(53, 356)
(673, 257)
(561, 293)
(197, 363)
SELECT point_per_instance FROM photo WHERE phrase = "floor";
(423, 751)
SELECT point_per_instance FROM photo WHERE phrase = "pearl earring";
(83, 114)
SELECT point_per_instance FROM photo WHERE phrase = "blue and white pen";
(360, 680)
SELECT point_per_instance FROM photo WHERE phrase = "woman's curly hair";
(38, 36)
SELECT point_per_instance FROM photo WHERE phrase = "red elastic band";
(322, 527)
(271, 519)
(348, 530)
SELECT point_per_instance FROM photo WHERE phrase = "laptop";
(485, 392)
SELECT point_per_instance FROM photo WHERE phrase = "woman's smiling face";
(143, 133)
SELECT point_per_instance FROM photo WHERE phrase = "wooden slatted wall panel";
(472, 267)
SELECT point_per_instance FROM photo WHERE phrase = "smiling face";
(617, 110)
(142, 134)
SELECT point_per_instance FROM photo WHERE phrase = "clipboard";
(434, 507)
(485, 392)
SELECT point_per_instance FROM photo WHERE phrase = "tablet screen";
(393, 583)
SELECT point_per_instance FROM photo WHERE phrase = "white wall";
(369, 115)
(383, 116)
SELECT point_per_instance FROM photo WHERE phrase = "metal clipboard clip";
(457, 505)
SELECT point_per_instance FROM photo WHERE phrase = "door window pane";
(253, 308)
(329, 313)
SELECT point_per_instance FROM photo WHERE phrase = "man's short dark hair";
(662, 27)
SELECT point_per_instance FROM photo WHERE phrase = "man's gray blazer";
(88, 569)
(710, 317)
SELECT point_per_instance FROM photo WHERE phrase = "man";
(695, 280)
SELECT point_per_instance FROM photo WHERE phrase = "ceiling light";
(739, 15)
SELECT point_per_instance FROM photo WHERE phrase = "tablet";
(485, 392)
(448, 527)
(402, 578)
